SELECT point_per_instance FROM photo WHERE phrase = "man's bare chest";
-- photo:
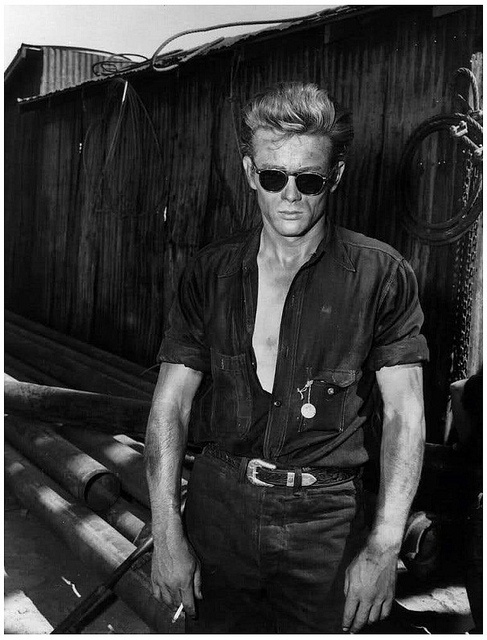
(272, 292)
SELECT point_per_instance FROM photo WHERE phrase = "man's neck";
(289, 251)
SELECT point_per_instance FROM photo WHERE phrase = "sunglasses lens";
(272, 180)
(309, 183)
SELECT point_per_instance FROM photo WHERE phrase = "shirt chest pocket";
(231, 401)
(327, 393)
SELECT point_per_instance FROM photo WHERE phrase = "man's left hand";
(370, 582)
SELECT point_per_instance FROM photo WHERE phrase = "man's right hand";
(176, 575)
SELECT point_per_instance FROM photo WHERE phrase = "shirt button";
(330, 391)
(277, 403)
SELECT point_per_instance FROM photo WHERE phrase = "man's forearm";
(164, 453)
(176, 576)
(371, 577)
(401, 461)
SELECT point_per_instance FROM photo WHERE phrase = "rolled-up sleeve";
(184, 341)
(397, 334)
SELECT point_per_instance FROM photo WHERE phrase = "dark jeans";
(273, 559)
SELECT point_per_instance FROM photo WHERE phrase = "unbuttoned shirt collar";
(331, 244)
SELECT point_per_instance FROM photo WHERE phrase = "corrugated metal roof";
(173, 59)
(320, 17)
(63, 67)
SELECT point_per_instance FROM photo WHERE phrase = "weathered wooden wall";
(97, 235)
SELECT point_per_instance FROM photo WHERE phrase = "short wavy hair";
(298, 108)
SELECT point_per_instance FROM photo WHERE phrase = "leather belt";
(262, 473)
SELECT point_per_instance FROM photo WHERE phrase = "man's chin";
(293, 228)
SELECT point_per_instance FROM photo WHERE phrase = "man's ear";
(249, 171)
(338, 175)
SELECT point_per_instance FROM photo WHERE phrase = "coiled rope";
(468, 130)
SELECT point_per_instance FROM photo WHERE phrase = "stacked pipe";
(99, 509)
(87, 535)
(75, 457)
(34, 353)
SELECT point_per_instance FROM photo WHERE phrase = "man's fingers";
(156, 590)
(162, 593)
(361, 617)
(375, 613)
(379, 611)
(197, 583)
(386, 608)
(346, 584)
(187, 598)
(351, 604)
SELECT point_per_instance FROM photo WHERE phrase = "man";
(296, 321)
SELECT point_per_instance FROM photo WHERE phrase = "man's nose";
(291, 192)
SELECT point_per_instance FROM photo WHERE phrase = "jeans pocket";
(232, 400)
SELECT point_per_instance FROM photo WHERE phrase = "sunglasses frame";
(295, 175)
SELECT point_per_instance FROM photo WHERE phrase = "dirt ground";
(44, 581)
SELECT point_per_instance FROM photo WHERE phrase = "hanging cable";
(221, 26)
(112, 65)
(114, 164)
(122, 62)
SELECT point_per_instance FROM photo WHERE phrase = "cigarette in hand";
(178, 613)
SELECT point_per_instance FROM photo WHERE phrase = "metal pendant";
(308, 410)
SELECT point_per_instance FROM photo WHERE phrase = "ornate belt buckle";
(253, 467)
(308, 479)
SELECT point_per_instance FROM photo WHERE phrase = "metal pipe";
(66, 365)
(78, 618)
(93, 540)
(112, 414)
(130, 371)
(124, 461)
(125, 372)
(78, 473)
(126, 518)
(26, 373)
(127, 463)
(136, 445)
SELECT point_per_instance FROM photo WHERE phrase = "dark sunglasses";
(307, 182)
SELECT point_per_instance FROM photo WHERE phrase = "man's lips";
(291, 213)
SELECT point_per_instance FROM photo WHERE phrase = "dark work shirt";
(351, 309)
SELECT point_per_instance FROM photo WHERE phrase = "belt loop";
(298, 480)
(242, 469)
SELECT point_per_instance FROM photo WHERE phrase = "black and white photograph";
(243, 361)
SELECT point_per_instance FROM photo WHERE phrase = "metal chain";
(463, 275)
